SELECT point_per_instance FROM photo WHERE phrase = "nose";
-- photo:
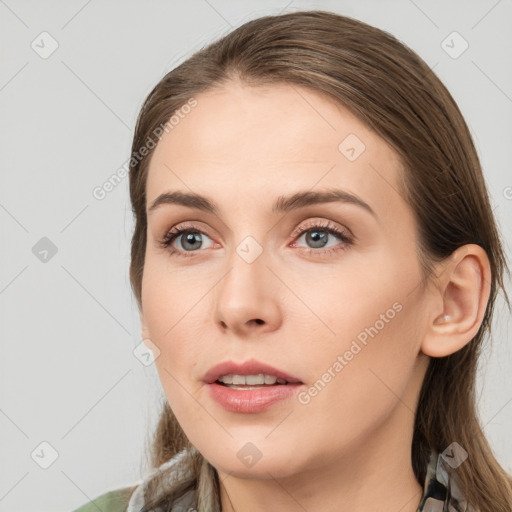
(247, 298)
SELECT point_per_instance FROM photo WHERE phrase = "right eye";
(189, 237)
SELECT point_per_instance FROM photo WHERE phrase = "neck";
(374, 475)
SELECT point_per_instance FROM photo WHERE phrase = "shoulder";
(113, 501)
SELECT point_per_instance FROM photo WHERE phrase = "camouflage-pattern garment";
(440, 490)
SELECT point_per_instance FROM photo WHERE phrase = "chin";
(266, 468)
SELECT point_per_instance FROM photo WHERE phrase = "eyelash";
(173, 234)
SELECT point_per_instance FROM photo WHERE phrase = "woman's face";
(262, 279)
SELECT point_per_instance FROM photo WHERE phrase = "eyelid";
(323, 224)
(297, 231)
(191, 226)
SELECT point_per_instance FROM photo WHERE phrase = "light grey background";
(69, 325)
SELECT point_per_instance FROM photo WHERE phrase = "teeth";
(238, 379)
(270, 379)
(251, 380)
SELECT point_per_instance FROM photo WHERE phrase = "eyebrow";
(283, 204)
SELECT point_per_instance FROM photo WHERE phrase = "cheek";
(345, 298)
(166, 298)
(370, 383)
(177, 307)
(372, 352)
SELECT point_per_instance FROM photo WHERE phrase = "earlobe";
(458, 302)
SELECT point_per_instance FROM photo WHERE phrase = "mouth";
(249, 374)
(250, 381)
(250, 398)
(250, 387)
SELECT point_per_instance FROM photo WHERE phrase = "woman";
(316, 263)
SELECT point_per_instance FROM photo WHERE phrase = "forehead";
(252, 140)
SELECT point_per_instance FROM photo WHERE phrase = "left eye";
(318, 236)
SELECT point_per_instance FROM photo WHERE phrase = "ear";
(458, 301)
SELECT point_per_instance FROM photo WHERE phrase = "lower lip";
(250, 400)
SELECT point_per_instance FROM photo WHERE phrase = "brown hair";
(391, 89)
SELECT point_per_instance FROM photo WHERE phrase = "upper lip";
(251, 367)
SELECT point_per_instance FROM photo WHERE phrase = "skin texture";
(349, 448)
